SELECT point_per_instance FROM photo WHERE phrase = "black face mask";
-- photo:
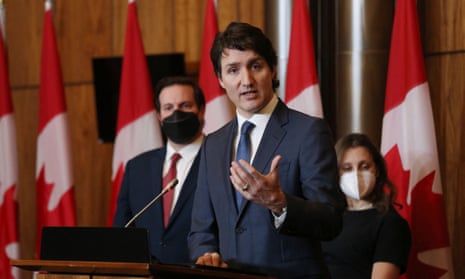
(181, 127)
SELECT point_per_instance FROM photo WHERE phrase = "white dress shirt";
(260, 120)
(183, 166)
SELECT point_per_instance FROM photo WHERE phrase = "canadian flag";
(137, 128)
(302, 90)
(9, 239)
(410, 150)
(55, 189)
(218, 110)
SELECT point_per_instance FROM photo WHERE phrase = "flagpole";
(2, 18)
(48, 4)
(362, 47)
(277, 28)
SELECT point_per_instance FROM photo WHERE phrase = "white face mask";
(352, 183)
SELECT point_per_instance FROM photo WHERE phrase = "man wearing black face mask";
(180, 107)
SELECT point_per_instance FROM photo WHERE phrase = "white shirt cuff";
(279, 220)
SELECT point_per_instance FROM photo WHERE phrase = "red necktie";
(168, 197)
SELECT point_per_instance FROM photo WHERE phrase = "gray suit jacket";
(247, 238)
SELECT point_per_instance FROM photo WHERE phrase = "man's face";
(247, 79)
(178, 97)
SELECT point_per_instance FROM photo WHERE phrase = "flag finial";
(48, 5)
(2, 19)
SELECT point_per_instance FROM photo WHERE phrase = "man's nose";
(177, 107)
(247, 78)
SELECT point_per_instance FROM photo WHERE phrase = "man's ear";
(202, 112)
(221, 82)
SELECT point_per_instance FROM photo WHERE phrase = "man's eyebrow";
(231, 64)
(248, 62)
(256, 59)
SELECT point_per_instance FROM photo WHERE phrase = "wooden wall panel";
(251, 11)
(156, 20)
(181, 26)
(443, 30)
(444, 25)
(119, 11)
(91, 159)
(24, 20)
(78, 43)
(227, 11)
(26, 111)
(189, 19)
(445, 74)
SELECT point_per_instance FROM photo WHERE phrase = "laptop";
(109, 244)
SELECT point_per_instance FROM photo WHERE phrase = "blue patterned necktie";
(243, 152)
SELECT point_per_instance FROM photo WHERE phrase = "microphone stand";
(170, 186)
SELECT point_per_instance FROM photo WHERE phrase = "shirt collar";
(188, 151)
(260, 118)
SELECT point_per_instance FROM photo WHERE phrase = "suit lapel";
(156, 170)
(272, 137)
(156, 173)
(225, 158)
(187, 188)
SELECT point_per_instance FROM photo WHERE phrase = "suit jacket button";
(240, 230)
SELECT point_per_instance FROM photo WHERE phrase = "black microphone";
(165, 190)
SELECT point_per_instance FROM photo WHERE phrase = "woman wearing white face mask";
(375, 240)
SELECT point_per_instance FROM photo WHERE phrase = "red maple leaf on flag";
(8, 239)
(61, 215)
(422, 213)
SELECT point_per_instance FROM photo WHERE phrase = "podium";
(119, 253)
(126, 270)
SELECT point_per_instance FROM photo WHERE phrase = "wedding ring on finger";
(245, 187)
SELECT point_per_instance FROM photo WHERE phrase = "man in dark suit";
(269, 215)
(180, 107)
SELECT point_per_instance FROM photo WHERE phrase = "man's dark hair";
(243, 36)
(180, 80)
